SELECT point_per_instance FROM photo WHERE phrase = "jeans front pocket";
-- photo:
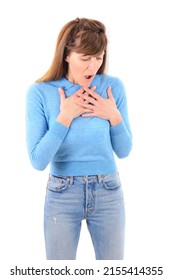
(57, 184)
(112, 181)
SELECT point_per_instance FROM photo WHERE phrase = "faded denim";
(99, 200)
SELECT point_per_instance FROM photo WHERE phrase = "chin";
(86, 83)
(83, 82)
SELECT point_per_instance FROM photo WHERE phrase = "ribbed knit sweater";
(89, 145)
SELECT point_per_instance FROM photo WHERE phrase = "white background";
(140, 54)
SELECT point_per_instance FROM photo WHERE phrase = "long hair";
(82, 35)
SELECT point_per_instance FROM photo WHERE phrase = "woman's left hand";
(101, 107)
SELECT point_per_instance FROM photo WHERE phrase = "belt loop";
(99, 179)
(71, 180)
(86, 179)
(68, 180)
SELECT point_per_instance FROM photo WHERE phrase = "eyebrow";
(93, 54)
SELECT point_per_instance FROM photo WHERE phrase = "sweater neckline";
(66, 84)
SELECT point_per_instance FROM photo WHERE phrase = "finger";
(109, 93)
(92, 93)
(86, 111)
(86, 115)
(93, 88)
(85, 105)
(87, 99)
(80, 91)
(62, 94)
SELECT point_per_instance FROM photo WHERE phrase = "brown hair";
(82, 35)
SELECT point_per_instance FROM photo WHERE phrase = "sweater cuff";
(58, 130)
(118, 129)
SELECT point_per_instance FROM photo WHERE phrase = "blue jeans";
(99, 200)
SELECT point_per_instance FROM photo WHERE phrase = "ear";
(67, 58)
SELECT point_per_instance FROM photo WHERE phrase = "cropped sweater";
(89, 145)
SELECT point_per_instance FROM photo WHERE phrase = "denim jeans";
(99, 200)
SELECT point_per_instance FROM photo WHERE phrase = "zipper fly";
(89, 197)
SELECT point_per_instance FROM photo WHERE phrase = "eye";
(99, 58)
(85, 59)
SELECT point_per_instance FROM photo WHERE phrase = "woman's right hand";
(69, 109)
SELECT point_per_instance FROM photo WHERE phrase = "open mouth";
(88, 77)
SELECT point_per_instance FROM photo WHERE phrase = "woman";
(76, 120)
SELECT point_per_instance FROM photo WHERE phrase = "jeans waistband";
(71, 179)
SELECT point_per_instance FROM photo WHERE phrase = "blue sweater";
(89, 145)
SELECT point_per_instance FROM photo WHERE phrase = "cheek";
(100, 64)
(76, 68)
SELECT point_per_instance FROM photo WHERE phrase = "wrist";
(115, 120)
(65, 120)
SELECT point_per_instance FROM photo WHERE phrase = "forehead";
(96, 54)
(80, 54)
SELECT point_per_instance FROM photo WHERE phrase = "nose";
(93, 64)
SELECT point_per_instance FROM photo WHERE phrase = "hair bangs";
(90, 43)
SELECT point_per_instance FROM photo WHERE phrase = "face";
(82, 68)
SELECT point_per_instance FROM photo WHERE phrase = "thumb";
(62, 94)
(109, 93)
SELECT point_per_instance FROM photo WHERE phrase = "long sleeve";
(121, 137)
(88, 146)
(42, 141)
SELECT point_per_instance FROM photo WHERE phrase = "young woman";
(77, 121)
